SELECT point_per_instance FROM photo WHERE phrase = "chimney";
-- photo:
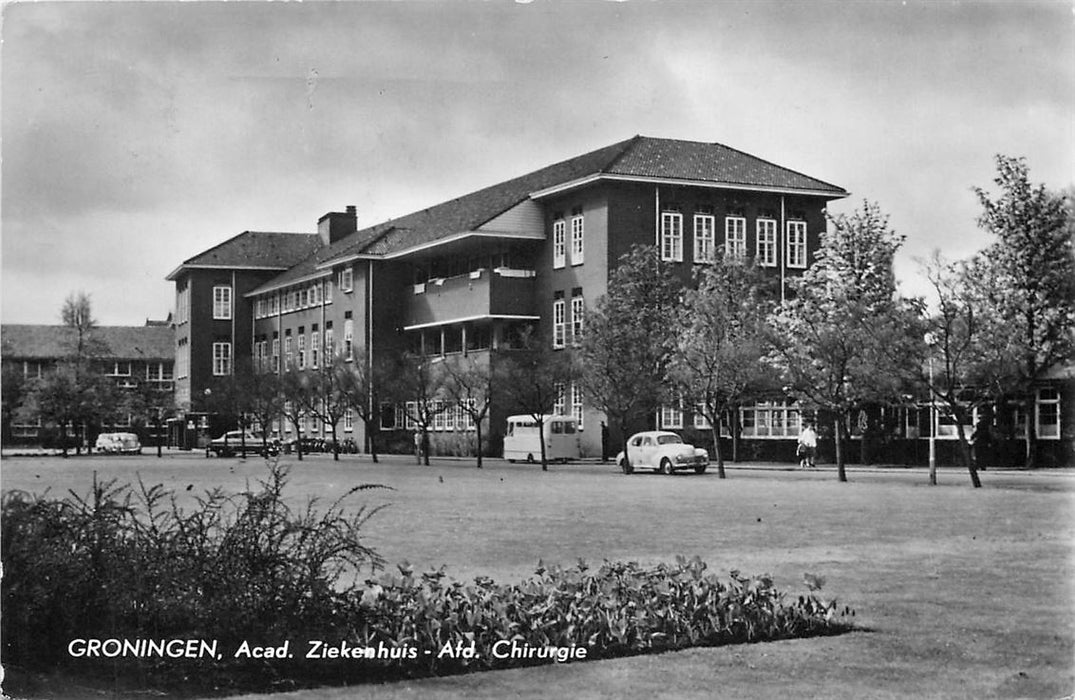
(336, 225)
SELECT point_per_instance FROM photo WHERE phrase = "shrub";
(619, 609)
(129, 563)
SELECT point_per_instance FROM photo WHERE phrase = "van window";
(557, 428)
(569, 427)
(511, 428)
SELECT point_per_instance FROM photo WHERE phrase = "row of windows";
(296, 298)
(735, 239)
(560, 321)
(780, 420)
(267, 352)
(560, 243)
(447, 416)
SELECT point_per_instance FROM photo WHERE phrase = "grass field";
(959, 592)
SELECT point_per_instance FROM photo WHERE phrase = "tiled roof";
(710, 163)
(263, 249)
(641, 156)
(35, 342)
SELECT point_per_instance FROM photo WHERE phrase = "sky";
(136, 135)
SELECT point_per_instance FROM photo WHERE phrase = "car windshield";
(669, 440)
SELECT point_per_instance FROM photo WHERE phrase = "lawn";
(959, 592)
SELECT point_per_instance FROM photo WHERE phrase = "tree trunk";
(335, 445)
(541, 436)
(736, 429)
(838, 436)
(371, 441)
(964, 450)
(478, 436)
(715, 428)
(425, 447)
(1031, 460)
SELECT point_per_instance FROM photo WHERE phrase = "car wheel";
(625, 467)
(700, 470)
(666, 466)
(530, 459)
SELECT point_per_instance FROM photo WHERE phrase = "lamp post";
(930, 340)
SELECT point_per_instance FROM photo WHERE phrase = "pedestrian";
(807, 446)
(418, 445)
(604, 442)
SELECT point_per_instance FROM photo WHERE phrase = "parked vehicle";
(521, 440)
(232, 442)
(661, 451)
(118, 443)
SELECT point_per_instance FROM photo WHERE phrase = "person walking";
(807, 446)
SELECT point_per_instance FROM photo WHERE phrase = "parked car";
(661, 451)
(118, 443)
(232, 442)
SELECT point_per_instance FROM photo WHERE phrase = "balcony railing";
(484, 292)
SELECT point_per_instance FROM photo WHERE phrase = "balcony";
(478, 294)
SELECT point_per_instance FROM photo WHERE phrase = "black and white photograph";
(537, 349)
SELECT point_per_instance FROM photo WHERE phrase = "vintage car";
(118, 444)
(234, 443)
(662, 451)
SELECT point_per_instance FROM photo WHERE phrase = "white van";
(561, 439)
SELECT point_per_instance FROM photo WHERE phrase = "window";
(576, 240)
(705, 237)
(222, 303)
(558, 324)
(275, 354)
(769, 420)
(221, 359)
(766, 250)
(347, 281)
(315, 348)
(735, 237)
(1049, 413)
(559, 406)
(559, 245)
(330, 346)
(671, 417)
(302, 350)
(287, 353)
(349, 339)
(700, 421)
(796, 242)
(327, 291)
(120, 369)
(576, 404)
(672, 236)
(182, 305)
(578, 310)
(349, 420)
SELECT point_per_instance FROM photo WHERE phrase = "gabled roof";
(33, 342)
(261, 250)
(640, 157)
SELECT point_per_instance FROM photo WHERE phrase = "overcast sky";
(136, 135)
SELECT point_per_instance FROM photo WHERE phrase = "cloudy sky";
(138, 134)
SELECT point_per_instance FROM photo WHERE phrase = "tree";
(364, 385)
(77, 314)
(842, 339)
(471, 383)
(1032, 262)
(417, 386)
(721, 346)
(323, 395)
(973, 358)
(13, 393)
(628, 343)
(533, 378)
(150, 405)
(292, 390)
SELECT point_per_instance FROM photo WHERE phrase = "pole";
(932, 428)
